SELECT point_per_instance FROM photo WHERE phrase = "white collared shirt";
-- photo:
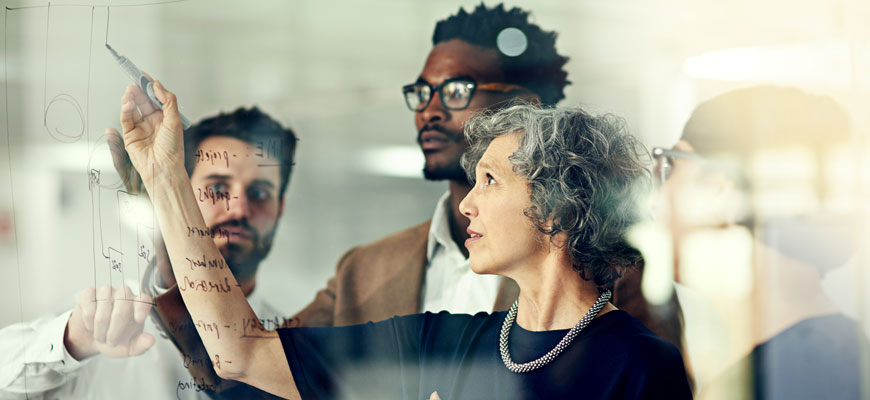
(34, 364)
(450, 283)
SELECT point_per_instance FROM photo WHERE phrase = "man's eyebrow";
(217, 177)
(263, 182)
(452, 78)
(462, 77)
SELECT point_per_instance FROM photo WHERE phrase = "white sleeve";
(33, 358)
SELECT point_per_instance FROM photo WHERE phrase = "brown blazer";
(379, 280)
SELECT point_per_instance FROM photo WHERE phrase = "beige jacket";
(379, 280)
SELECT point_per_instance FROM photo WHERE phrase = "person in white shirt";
(99, 350)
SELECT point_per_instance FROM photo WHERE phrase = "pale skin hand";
(131, 178)
(104, 320)
(109, 322)
(133, 183)
(153, 139)
(129, 175)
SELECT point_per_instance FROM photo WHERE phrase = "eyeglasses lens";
(417, 96)
(457, 94)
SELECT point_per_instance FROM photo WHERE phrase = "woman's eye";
(489, 180)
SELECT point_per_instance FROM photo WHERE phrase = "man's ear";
(730, 204)
(531, 98)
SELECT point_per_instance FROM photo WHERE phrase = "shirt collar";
(439, 229)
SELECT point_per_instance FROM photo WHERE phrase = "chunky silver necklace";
(552, 354)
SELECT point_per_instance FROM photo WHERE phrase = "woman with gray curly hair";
(553, 196)
(583, 173)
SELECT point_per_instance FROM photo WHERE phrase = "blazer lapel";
(409, 285)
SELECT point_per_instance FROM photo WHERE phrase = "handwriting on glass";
(217, 263)
(198, 386)
(269, 149)
(144, 253)
(207, 286)
(216, 233)
(208, 327)
(209, 194)
(210, 156)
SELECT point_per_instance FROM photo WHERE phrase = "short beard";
(244, 264)
(451, 173)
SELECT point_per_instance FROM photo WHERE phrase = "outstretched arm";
(153, 139)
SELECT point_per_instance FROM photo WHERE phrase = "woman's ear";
(559, 240)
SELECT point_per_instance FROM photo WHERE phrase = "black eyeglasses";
(455, 93)
(664, 162)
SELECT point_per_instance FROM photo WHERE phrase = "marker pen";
(144, 83)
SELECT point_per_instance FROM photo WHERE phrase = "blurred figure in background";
(756, 224)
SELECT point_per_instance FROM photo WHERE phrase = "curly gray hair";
(585, 172)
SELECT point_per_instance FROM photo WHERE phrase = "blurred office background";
(333, 73)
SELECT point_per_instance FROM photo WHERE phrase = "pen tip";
(114, 53)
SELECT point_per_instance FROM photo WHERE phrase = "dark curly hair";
(538, 68)
(584, 171)
(248, 125)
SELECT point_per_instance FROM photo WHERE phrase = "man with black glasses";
(480, 60)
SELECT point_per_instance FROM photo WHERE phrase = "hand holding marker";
(143, 81)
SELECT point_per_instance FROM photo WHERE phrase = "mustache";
(438, 128)
(243, 223)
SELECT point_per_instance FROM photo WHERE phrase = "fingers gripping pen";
(140, 79)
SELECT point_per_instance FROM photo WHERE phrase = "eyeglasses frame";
(668, 155)
(500, 87)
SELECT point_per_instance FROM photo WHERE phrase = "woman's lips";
(474, 236)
